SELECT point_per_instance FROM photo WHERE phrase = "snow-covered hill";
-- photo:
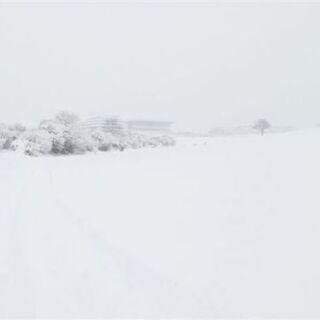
(210, 228)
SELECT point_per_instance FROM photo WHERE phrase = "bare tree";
(262, 125)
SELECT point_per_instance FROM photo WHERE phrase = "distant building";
(116, 126)
(108, 124)
(149, 126)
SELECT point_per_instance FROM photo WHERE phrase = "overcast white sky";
(199, 64)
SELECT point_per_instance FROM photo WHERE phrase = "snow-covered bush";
(19, 145)
(140, 141)
(78, 141)
(98, 137)
(64, 134)
(14, 132)
(102, 140)
(105, 141)
(9, 134)
(58, 133)
(4, 135)
(135, 141)
(33, 142)
(39, 142)
(167, 141)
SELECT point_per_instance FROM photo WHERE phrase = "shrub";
(65, 135)
(34, 142)
(4, 136)
(78, 141)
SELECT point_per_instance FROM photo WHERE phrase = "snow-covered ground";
(224, 227)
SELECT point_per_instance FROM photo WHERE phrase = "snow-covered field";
(225, 227)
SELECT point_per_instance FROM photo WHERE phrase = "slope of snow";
(225, 227)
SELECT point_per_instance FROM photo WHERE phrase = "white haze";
(199, 64)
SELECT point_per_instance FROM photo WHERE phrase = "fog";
(198, 64)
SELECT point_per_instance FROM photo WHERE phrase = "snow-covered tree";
(262, 125)
(67, 118)
(58, 133)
